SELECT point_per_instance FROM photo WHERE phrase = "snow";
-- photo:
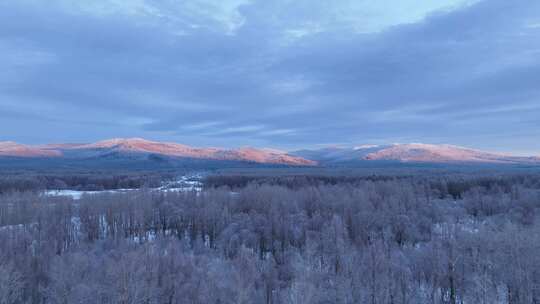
(362, 147)
(78, 194)
(187, 183)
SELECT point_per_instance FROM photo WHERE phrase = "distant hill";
(122, 149)
(9, 148)
(138, 152)
(412, 153)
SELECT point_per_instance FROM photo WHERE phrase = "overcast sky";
(278, 73)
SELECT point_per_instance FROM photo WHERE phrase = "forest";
(376, 239)
(21, 181)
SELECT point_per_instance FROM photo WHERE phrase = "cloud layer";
(272, 73)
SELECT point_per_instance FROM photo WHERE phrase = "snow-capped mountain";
(12, 149)
(338, 154)
(135, 148)
(416, 152)
(412, 153)
(138, 149)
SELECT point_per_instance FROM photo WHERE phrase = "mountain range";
(412, 153)
(138, 149)
(141, 149)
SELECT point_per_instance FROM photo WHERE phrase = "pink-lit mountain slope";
(12, 149)
(135, 149)
(411, 153)
(138, 147)
(426, 153)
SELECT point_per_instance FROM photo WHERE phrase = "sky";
(272, 73)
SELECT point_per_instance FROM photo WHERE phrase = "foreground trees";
(377, 241)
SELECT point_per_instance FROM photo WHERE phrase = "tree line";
(84, 181)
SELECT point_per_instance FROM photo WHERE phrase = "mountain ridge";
(10, 148)
(414, 153)
(142, 148)
(139, 148)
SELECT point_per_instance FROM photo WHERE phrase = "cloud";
(279, 73)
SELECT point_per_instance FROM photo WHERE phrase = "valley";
(186, 183)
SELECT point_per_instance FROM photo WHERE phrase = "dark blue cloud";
(271, 73)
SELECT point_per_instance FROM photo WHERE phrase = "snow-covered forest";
(444, 238)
